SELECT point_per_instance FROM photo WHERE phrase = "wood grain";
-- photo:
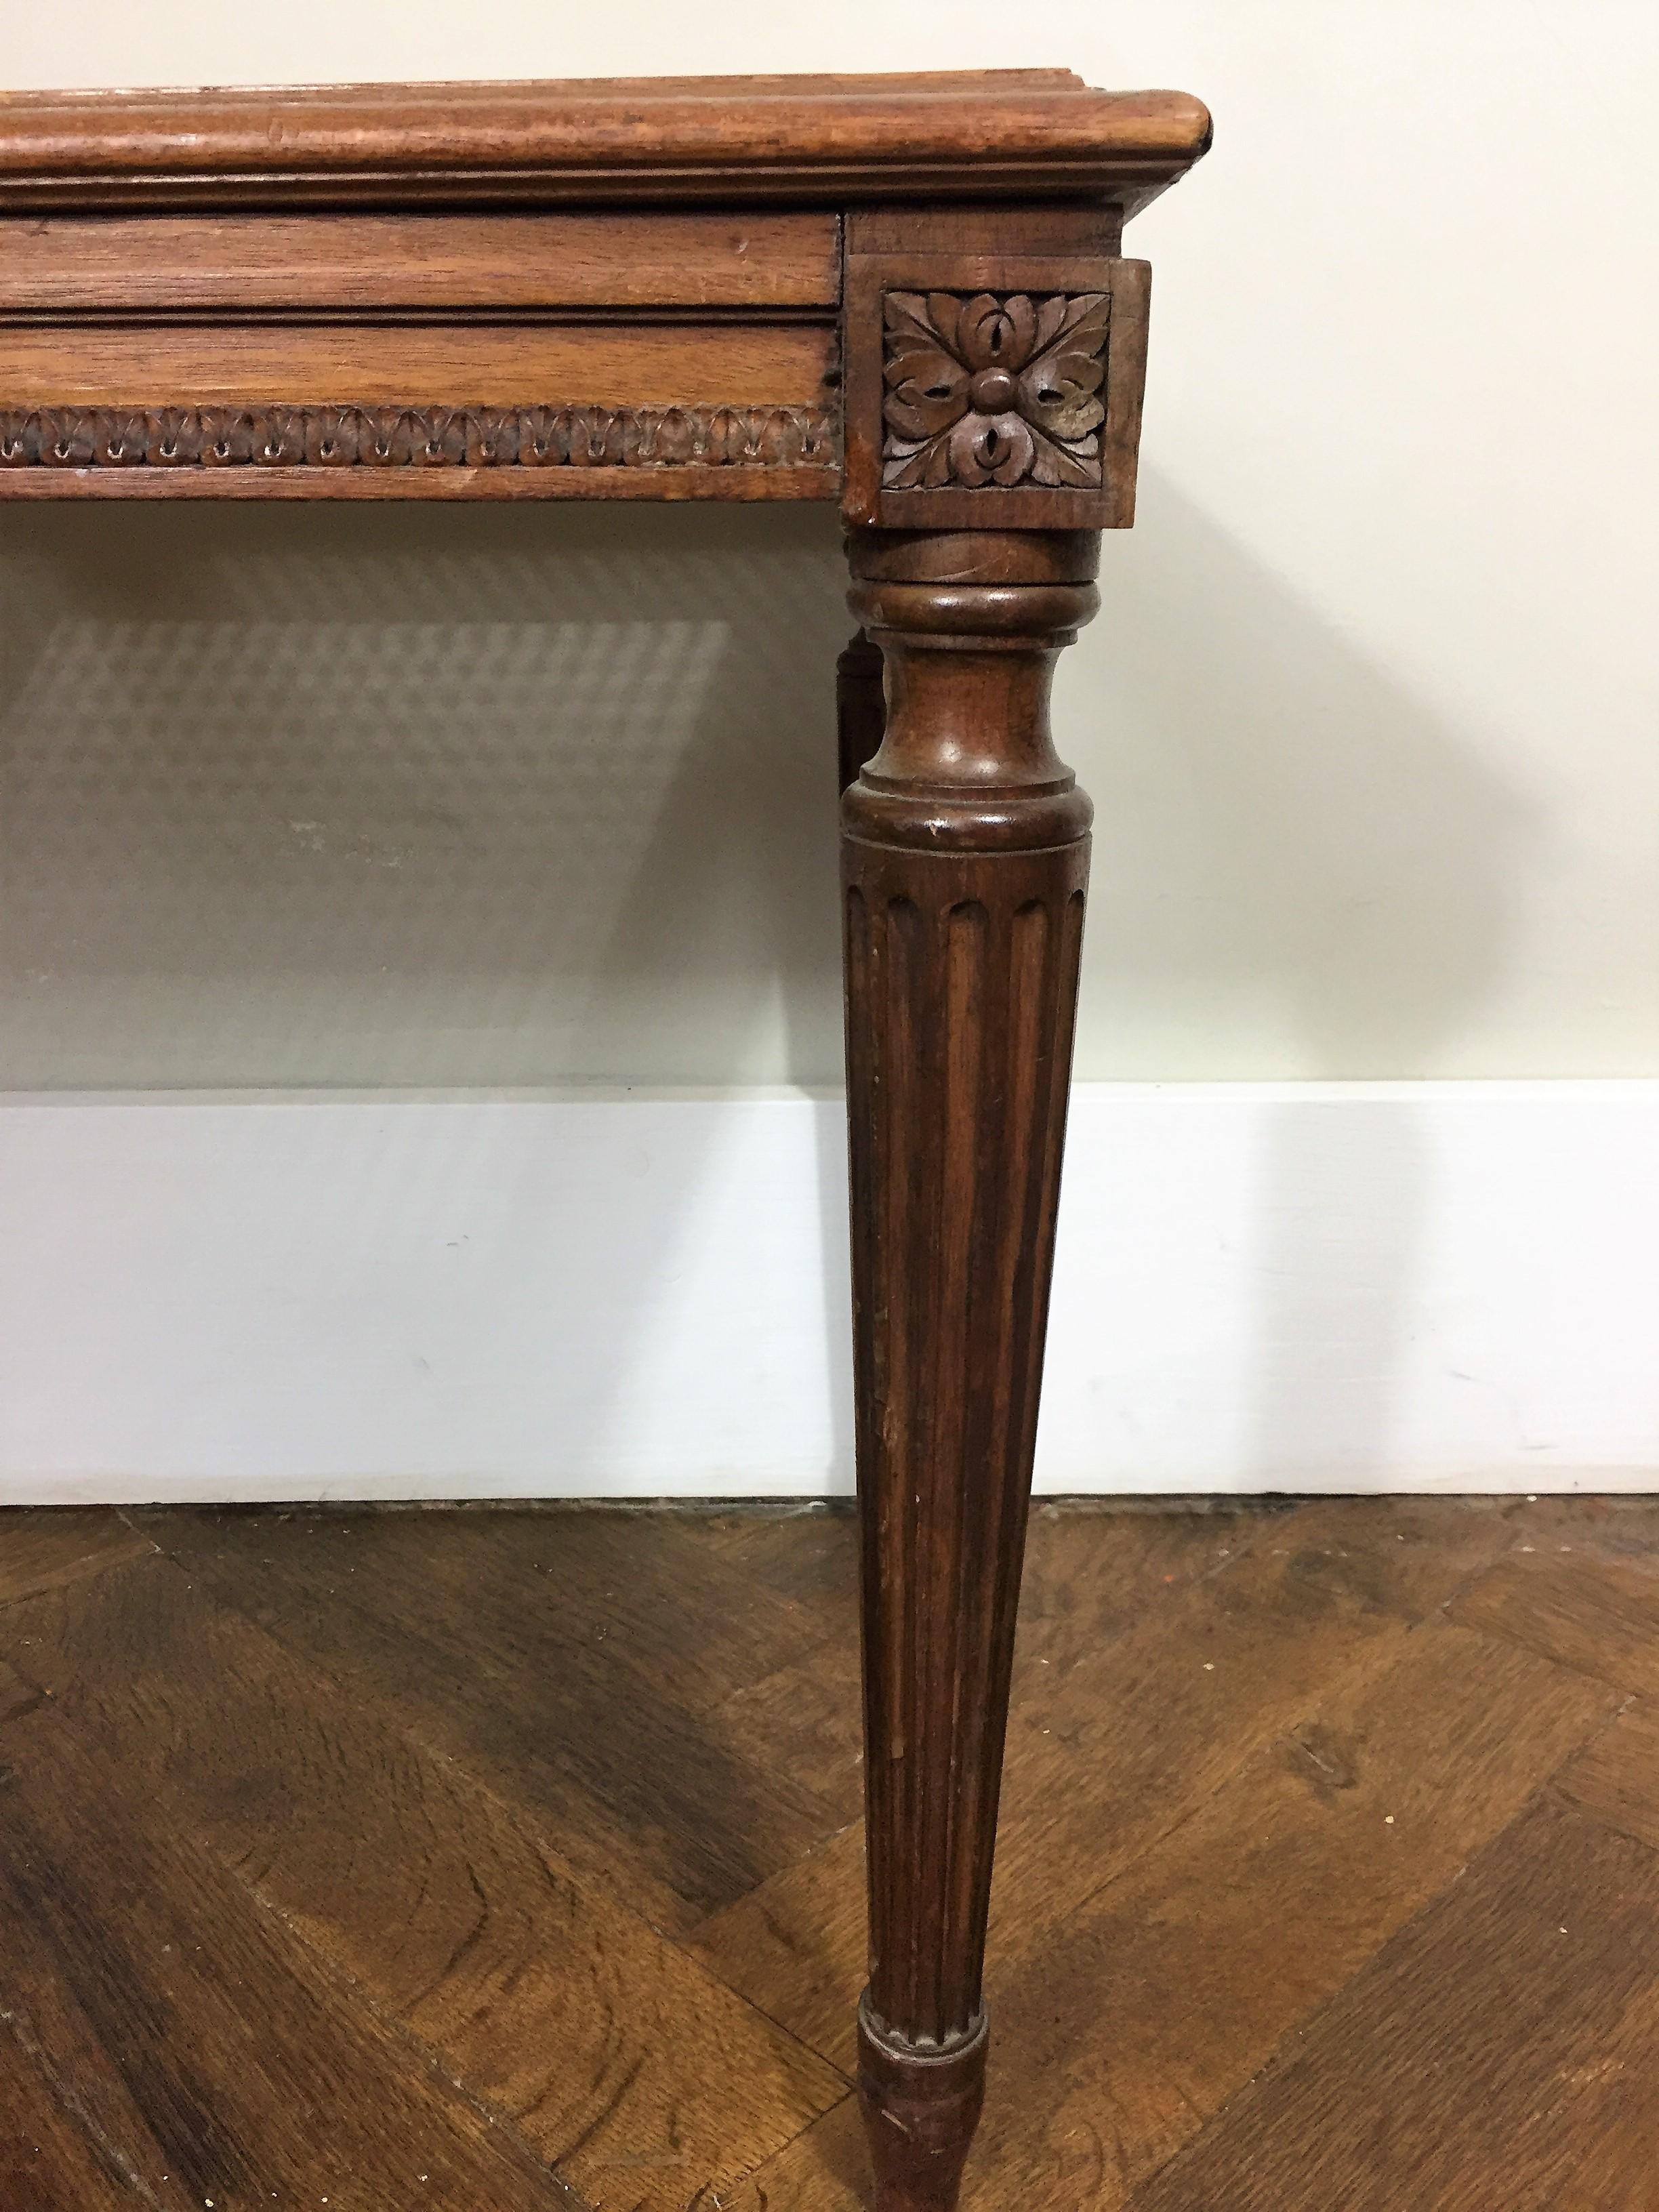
(1213, 1947)
(42, 1547)
(1154, 1692)
(1153, 2005)
(459, 365)
(1085, 1587)
(1030, 227)
(17, 1694)
(1600, 1615)
(808, 1554)
(663, 482)
(1405, 1556)
(1119, 1745)
(803, 1723)
(1158, 2000)
(1623, 1527)
(448, 1910)
(581, 1684)
(969, 134)
(48, 2163)
(1615, 1778)
(1079, 1597)
(1498, 2057)
(176, 264)
(187, 2038)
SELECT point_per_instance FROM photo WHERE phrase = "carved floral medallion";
(996, 389)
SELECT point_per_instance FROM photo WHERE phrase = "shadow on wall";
(451, 799)
(1282, 827)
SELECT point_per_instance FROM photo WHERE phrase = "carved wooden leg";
(860, 705)
(966, 849)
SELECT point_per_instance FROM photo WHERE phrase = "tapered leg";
(965, 844)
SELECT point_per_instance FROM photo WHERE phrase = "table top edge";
(787, 139)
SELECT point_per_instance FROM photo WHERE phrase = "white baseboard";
(1414, 1286)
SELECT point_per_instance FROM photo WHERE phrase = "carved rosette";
(337, 437)
(1000, 388)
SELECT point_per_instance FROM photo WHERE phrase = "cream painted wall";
(333, 797)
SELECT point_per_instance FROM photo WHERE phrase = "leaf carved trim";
(998, 388)
(273, 436)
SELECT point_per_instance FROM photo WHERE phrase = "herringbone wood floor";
(490, 1860)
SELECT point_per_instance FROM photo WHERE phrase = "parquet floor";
(491, 1861)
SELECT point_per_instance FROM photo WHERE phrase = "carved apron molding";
(268, 436)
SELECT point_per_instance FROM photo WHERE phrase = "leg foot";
(920, 2107)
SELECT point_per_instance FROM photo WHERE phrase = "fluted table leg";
(965, 844)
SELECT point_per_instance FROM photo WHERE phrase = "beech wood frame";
(652, 289)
